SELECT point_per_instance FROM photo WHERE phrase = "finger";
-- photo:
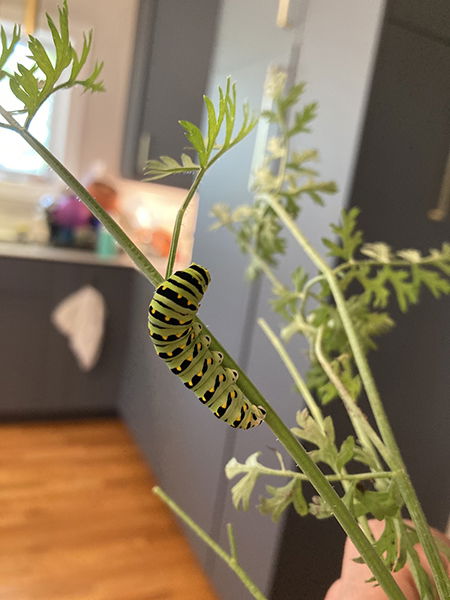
(354, 576)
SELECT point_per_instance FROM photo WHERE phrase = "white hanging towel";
(81, 317)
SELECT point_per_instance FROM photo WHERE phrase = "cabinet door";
(398, 178)
(174, 44)
(39, 373)
(24, 335)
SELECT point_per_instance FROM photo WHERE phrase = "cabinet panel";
(399, 173)
(174, 44)
(39, 373)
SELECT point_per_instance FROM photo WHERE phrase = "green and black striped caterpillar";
(185, 348)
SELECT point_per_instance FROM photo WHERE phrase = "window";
(17, 158)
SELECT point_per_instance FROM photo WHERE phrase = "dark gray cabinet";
(39, 374)
(401, 165)
(173, 49)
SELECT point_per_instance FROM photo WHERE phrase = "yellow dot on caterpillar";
(178, 368)
(190, 358)
(166, 318)
(182, 347)
(221, 378)
(224, 405)
(209, 361)
(199, 374)
(164, 337)
(178, 296)
(153, 311)
(170, 354)
(178, 335)
(233, 394)
(190, 382)
(211, 389)
(245, 407)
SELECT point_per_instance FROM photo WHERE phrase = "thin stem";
(229, 559)
(312, 405)
(306, 292)
(359, 421)
(5, 126)
(377, 263)
(262, 470)
(232, 542)
(179, 222)
(395, 459)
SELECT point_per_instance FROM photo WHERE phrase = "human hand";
(352, 583)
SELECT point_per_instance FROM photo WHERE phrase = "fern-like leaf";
(157, 169)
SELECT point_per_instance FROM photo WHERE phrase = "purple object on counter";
(70, 212)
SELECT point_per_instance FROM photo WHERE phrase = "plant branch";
(262, 470)
(312, 405)
(395, 459)
(229, 559)
(179, 222)
(307, 293)
(365, 433)
(315, 476)
(424, 260)
(232, 542)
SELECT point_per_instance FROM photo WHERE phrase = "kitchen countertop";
(70, 255)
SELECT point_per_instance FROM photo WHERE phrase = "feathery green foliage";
(219, 138)
(7, 48)
(369, 275)
(50, 71)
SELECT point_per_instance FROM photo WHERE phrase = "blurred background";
(74, 350)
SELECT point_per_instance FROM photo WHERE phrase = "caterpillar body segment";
(184, 347)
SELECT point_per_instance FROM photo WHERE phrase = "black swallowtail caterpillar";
(185, 348)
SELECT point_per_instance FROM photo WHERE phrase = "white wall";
(96, 134)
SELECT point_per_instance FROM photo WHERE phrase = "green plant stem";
(296, 451)
(365, 433)
(229, 559)
(179, 222)
(425, 260)
(307, 294)
(232, 541)
(312, 405)
(395, 460)
(316, 412)
(302, 477)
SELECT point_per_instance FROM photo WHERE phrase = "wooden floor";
(78, 520)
